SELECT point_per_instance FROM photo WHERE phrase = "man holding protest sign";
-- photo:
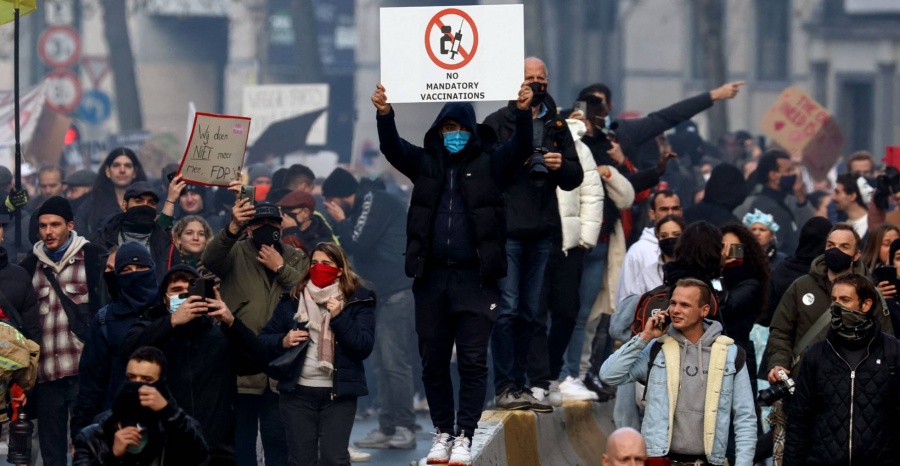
(456, 251)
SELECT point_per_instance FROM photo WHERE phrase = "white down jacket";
(581, 209)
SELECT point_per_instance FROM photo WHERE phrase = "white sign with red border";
(59, 46)
(441, 54)
(63, 91)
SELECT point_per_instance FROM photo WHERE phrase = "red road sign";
(59, 46)
(442, 30)
(63, 91)
(96, 68)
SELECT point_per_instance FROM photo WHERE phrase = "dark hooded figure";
(812, 244)
(725, 190)
(893, 300)
(101, 368)
(456, 251)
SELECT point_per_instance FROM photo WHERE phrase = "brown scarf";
(311, 310)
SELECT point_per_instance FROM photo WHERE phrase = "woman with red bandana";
(331, 311)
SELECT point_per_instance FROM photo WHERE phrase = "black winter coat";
(354, 338)
(826, 426)
(533, 211)
(161, 249)
(16, 286)
(183, 442)
(204, 360)
(373, 234)
(443, 233)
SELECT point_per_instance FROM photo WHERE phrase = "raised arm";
(507, 159)
(400, 153)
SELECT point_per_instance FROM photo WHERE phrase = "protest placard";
(273, 103)
(469, 53)
(215, 152)
(892, 156)
(800, 124)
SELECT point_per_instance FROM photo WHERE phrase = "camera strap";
(810, 335)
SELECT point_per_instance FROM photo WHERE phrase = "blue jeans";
(591, 283)
(395, 350)
(519, 306)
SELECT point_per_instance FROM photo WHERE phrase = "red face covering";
(323, 275)
(261, 192)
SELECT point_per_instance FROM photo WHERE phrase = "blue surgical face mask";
(455, 141)
(176, 300)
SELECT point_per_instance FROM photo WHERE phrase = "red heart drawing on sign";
(779, 125)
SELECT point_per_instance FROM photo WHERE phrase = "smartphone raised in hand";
(249, 192)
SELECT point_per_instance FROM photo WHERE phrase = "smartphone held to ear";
(665, 322)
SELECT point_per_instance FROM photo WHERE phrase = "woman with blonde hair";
(190, 235)
(334, 314)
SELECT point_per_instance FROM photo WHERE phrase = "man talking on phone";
(698, 388)
(255, 271)
(207, 347)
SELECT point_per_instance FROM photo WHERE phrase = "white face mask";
(706, 177)
(175, 301)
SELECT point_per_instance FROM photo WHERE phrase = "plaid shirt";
(60, 349)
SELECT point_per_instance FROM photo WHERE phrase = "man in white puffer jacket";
(581, 214)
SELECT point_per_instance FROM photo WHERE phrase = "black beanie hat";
(895, 245)
(340, 183)
(57, 205)
(813, 236)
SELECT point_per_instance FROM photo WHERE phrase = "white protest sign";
(215, 152)
(469, 53)
(270, 104)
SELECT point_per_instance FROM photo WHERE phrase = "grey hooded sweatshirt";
(687, 428)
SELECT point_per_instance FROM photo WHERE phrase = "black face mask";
(837, 261)
(139, 219)
(266, 235)
(112, 285)
(786, 184)
(540, 92)
(667, 247)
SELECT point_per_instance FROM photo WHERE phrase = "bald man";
(625, 447)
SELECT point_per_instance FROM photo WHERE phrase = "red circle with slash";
(466, 55)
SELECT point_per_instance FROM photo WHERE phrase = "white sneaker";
(440, 449)
(554, 397)
(462, 451)
(574, 390)
(357, 456)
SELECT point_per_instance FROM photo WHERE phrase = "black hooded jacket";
(812, 244)
(457, 216)
(534, 210)
(101, 369)
(204, 359)
(161, 248)
(724, 191)
(844, 416)
(22, 308)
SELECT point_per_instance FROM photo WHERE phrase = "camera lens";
(770, 395)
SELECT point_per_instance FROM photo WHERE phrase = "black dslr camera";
(778, 390)
(537, 168)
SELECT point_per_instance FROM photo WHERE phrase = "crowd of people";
(187, 322)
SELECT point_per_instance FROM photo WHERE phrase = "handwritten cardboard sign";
(800, 124)
(215, 151)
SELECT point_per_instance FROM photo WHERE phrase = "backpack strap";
(655, 348)
(101, 315)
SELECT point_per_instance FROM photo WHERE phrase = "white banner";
(31, 104)
(440, 54)
(273, 103)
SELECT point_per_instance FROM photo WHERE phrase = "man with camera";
(207, 348)
(845, 408)
(802, 316)
(698, 389)
(255, 271)
(532, 218)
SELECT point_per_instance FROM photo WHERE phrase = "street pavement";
(361, 428)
